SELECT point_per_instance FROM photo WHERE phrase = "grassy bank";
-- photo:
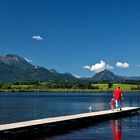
(44, 88)
(124, 87)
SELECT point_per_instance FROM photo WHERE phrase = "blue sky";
(67, 35)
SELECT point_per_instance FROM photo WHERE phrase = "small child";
(112, 103)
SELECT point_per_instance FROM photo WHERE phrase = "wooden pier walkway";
(63, 122)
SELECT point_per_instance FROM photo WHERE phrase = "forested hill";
(14, 68)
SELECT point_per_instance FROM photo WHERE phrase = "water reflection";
(116, 129)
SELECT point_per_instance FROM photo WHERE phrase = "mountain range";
(14, 68)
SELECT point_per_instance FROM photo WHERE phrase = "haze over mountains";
(14, 68)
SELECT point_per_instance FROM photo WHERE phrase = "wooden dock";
(55, 124)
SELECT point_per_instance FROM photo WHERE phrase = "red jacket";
(117, 94)
(112, 103)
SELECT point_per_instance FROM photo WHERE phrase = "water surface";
(15, 107)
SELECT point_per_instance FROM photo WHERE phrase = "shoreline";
(66, 90)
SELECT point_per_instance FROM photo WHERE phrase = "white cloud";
(122, 65)
(28, 60)
(98, 67)
(37, 37)
(86, 67)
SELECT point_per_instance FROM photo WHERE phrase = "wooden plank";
(46, 121)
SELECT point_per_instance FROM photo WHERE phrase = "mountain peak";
(12, 55)
(105, 75)
(15, 60)
(106, 71)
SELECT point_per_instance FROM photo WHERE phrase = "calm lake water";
(15, 107)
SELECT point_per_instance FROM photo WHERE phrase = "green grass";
(124, 87)
(21, 86)
(41, 88)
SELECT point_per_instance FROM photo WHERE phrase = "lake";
(15, 107)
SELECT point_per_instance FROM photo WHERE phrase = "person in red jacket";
(112, 103)
(118, 95)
